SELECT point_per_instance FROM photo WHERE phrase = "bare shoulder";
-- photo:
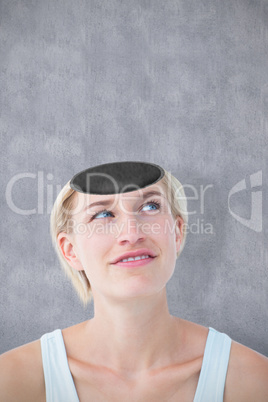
(21, 374)
(247, 375)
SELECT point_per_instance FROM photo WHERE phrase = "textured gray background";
(180, 83)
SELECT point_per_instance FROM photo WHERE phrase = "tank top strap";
(58, 378)
(212, 377)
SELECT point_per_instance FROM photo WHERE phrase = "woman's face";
(106, 227)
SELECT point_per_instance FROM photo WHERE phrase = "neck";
(133, 336)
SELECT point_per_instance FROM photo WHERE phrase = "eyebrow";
(109, 202)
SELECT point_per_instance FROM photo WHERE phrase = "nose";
(130, 230)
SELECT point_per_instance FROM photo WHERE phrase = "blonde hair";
(178, 203)
(62, 212)
(60, 215)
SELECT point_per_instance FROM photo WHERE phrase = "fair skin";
(132, 348)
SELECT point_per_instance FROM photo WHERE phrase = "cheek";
(167, 237)
(164, 228)
(94, 248)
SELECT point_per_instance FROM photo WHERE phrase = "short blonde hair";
(62, 212)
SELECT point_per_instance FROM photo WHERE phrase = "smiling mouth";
(138, 258)
(135, 262)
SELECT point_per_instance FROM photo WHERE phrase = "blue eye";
(155, 204)
(101, 212)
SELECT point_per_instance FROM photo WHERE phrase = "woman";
(118, 229)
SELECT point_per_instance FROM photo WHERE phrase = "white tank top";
(60, 385)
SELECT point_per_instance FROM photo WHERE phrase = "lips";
(135, 253)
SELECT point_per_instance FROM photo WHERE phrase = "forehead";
(86, 200)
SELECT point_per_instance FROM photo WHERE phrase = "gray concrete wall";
(180, 83)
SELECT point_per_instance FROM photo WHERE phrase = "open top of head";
(116, 178)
